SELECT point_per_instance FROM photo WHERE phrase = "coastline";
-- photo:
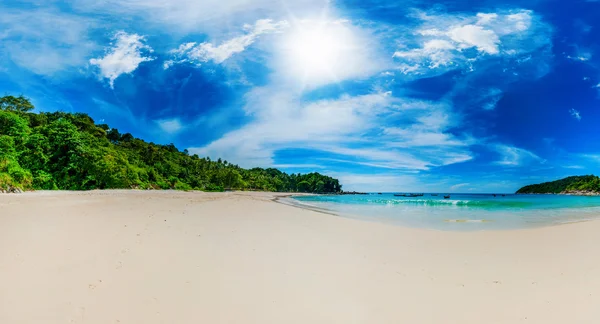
(288, 200)
(124, 256)
(577, 193)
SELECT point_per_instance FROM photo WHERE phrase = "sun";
(315, 50)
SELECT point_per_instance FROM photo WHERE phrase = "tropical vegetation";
(69, 151)
(587, 183)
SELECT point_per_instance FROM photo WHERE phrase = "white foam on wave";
(428, 201)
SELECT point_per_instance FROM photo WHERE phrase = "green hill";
(71, 152)
(575, 184)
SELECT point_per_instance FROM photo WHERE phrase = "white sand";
(174, 258)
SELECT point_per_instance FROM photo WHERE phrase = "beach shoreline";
(127, 256)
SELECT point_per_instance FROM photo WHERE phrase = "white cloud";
(460, 185)
(437, 51)
(298, 166)
(468, 36)
(281, 121)
(304, 55)
(204, 52)
(486, 18)
(44, 41)
(427, 129)
(519, 21)
(514, 156)
(582, 58)
(170, 126)
(188, 16)
(575, 114)
(445, 42)
(573, 167)
(347, 129)
(491, 98)
(581, 54)
(123, 57)
(593, 157)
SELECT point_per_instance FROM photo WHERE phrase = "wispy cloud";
(593, 157)
(282, 121)
(578, 167)
(458, 186)
(583, 57)
(44, 41)
(575, 114)
(204, 52)
(188, 16)
(514, 156)
(170, 126)
(123, 57)
(581, 53)
(298, 166)
(341, 127)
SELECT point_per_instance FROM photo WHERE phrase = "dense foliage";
(69, 151)
(588, 183)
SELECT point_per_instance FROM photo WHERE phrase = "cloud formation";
(201, 53)
(45, 42)
(446, 42)
(347, 129)
(124, 57)
(170, 126)
(188, 16)
(514, 156)
(575, 114)
(368, 94)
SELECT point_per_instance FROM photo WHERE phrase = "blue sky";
(385, 95)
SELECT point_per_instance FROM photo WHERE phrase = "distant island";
(58, 150)
(588, 185)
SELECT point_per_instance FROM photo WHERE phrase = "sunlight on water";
(461, 211)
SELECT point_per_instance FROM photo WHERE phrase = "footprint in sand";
(92, 286)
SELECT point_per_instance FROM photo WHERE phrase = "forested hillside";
(69, 151)
(588, 183)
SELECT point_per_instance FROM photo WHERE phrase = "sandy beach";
(177, 257)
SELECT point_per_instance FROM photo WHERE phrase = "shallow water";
(461, 212)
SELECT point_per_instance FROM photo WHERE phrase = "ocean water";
(461, 212)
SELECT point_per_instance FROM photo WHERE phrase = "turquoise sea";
(461, 212)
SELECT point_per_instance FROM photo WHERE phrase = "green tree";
(59, 150)
(18, 104)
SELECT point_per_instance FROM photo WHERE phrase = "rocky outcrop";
(10, 189)
(580, 193)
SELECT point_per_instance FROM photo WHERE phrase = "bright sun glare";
(315, 49)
